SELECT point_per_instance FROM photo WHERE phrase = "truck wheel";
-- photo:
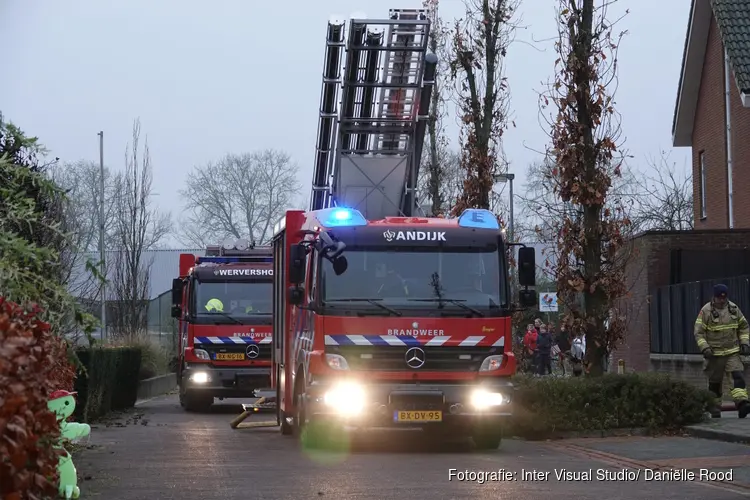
(286, 428)
(487, 438)
(313, 434)
(300, 418)
(196, 402)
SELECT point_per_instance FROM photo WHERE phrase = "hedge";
(546, 407)
(109, 382)
(33, 364)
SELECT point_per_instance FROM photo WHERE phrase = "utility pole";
(101, 236)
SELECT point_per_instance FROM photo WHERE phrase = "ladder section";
(385, 92)
(327, 116)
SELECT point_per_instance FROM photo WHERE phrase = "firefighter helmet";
(214, 305)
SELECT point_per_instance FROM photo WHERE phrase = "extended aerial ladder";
(369, 142)
(369, 150)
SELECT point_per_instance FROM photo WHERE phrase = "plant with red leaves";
(33, 363)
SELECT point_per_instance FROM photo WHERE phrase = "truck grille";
(390, 358)
(212, 349)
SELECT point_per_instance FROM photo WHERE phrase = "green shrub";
(110, 380)
(547, 406)
(155, 357)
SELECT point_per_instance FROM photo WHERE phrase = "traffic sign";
(548, 302)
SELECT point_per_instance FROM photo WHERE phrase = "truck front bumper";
(410, 405)
(225, 382)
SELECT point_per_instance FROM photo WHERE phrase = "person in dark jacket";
(544, 344)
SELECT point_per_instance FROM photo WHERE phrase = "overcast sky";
(208, 78)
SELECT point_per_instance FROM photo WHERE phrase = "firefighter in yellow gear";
(722, 334)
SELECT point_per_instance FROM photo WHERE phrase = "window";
(416, 278)
(702, 166)
(237, 299)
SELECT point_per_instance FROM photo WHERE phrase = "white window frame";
(702, 167)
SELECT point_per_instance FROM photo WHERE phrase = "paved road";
(160, 452)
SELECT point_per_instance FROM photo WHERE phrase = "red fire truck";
(384, 316)
(223, 303)
(400, 321)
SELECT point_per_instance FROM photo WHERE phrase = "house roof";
(733, 22)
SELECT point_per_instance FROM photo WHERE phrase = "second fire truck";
(223, 303)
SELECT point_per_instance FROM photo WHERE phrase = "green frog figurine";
(63, 404)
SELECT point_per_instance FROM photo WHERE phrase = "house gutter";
(745, 98)
(728, 122)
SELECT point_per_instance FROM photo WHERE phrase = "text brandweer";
(417, 332)
(244, 272)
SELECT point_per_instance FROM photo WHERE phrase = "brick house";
(712, 113)
(671, 272)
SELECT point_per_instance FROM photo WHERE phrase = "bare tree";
(138, 227)
(448, 182)
(585, 156)
(542, 211)
(665, 197)
(80, 182)
(480, 42)
(240, 196)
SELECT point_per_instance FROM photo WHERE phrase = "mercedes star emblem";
(415, 358)
(252, 351)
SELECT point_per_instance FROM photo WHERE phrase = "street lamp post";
(502, 178)
(101, 236)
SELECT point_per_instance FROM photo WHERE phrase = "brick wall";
(648, 268)
(690, 369)
(709, 138)
(740, 126)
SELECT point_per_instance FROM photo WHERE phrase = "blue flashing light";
(478, 218)
(341, 217)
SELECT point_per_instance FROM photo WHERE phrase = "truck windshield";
(416, 277)
(236, 299)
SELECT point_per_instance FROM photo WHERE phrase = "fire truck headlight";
(491, 363)
(199, 377)
(201, 354)
(481, 399)
(337, 362)
(347, 398)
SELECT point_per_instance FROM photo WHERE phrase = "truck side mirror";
(177, 285)
(527, 298)
(297, 260)
(526, 266)
(295, 295)
(176, 311)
